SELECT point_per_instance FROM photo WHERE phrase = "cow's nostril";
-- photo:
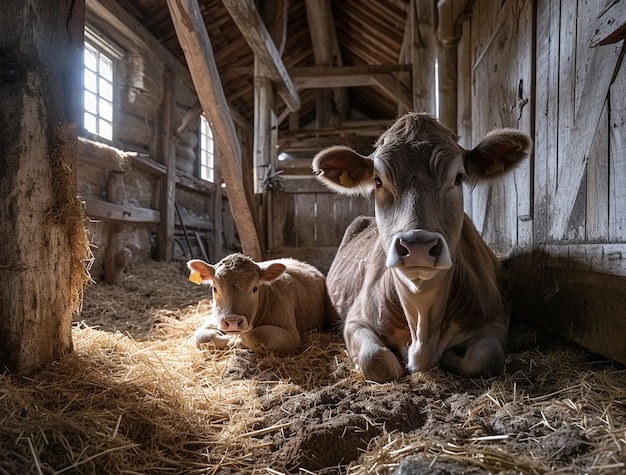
(436, 249)
(402, 249)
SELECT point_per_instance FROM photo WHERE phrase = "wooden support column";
(422, 54)
(195, 43)
(448, 36)
(263, 113)
(167, 197)
(44, 246)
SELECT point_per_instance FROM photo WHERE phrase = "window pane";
(89, 123)
(105, 129)
(91, 81)
(91, 102)
(106, 110)
(91, 58)
(106, 68)
(106, 89)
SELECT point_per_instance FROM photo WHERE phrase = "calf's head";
(237, 283)
(415, 175)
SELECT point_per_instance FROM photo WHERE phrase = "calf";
(267, 305)
(416, 286)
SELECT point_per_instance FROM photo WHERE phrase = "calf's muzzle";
(233, 323)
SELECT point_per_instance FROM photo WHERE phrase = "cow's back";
(301, 288)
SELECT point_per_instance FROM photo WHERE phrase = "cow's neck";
(424, 304)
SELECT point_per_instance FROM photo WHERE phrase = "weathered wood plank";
(324, 222)
(247, 18)
(579, 137)
(597, 213)
(617, 159)
(305, 219)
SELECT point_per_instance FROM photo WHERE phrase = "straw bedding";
(136, 396)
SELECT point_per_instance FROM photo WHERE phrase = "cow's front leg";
(272, 338)
(482, 356)
(210, 335)
(377, 362)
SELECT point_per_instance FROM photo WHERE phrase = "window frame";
(108, 49)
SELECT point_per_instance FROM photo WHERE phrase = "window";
(98, 100)
(207, 156)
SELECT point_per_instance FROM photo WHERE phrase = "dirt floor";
(136, 396)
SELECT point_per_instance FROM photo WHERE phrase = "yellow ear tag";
(345, 180)
(195, 278)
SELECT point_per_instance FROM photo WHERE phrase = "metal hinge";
(10, 71)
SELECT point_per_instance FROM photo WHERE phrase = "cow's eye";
(460, 178)
(214, 289)
(378, 181)
(254, 289)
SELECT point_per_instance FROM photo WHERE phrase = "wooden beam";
(610, 27)
(98, 209)
(247, 18)
(195, 43)
(344, 76)
(167, 150)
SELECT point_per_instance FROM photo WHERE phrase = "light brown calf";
(269, 304)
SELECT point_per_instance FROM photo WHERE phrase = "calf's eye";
(459, 179)
(378, 181)
(254, 290)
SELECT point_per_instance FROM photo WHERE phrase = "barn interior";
(178, 129)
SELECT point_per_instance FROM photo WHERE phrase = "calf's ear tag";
(345, 180)
(195, 278)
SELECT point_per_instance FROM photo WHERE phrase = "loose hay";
(136, 396)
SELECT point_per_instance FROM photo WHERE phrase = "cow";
(416, 286)
(268, 304)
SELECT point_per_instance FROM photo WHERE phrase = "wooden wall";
(554, 69)
(123, 182)
(309, 225)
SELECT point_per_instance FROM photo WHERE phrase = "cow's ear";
(344, 171)
(272, 272)
(499, 152)
(204, 270)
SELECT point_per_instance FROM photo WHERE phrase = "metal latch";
(10, 71)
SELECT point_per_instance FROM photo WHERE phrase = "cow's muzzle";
(233, 324)
(419, 248)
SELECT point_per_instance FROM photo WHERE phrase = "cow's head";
(416, 175)
(236, 283)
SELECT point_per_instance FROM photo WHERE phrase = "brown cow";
(268, 304)
(417, 285)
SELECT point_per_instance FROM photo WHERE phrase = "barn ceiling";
(364, 34)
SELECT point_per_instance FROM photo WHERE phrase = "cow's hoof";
(379, 364)
(211, 337)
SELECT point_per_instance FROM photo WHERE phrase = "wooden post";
(421, 14)
(41, 220)
(448, 36)
(263, 111)
(196, 45)
(168, 181)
